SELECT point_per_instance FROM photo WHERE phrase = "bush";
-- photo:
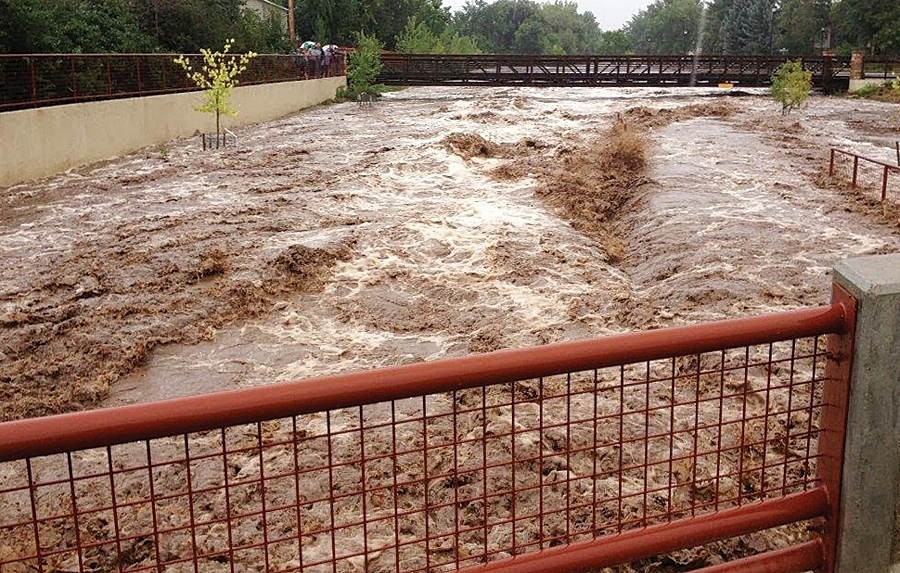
(869, 90)
(363, 69)
(791, 85)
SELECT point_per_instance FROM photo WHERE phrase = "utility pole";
(292, 31)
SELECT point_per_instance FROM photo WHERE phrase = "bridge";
(832, 73)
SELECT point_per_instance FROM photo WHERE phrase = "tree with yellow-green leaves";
(791, 85)
(217, 78)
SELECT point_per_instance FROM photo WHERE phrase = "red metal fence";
(867, 172)
(32, 80)
(568, 457)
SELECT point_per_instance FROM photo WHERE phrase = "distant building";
(266, 8)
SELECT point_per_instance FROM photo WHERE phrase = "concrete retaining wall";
(39, 142)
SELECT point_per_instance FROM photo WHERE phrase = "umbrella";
(307, 45)
(331, 47)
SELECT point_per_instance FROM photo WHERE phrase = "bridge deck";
(595, 70)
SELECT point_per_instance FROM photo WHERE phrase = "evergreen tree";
(748, 27)
(873, 25)
(801, 25)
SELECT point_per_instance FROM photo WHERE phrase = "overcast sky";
(611, 14)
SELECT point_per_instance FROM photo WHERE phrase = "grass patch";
(885, 92)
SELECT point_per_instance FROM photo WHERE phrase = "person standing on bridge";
(315, 54)
(327, 52)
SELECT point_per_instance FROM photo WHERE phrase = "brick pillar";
(858, 65)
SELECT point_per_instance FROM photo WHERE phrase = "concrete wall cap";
(875, 274)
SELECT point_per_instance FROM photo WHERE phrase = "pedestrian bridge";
(599, 70)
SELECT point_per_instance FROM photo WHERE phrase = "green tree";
(216, 78)
(748, 27)
(873, 25)
(527, 27)
(262, 35)
(71, 26)
(716, 12)
(613, 42)
(665, 27)
(791, 85)
(568, 30)
(530, 38)
(495, 26)
(363, 67)
(450, 42)
(189, 25)
(416, 38)
(801, 25)
(337, 21)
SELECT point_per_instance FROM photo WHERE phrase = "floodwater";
(451, 262)
(427, 255)
(346, 238)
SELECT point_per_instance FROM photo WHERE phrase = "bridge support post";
(867, 538)
(858, 65)
(857, 70)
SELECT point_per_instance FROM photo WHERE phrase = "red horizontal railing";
(97, 428)
(34, 80)
(614, 449)
(659, 539)
(886, 168)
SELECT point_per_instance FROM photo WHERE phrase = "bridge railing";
(571, 457)
(431, 69)
(33, 80)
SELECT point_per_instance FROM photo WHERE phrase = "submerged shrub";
(791, 85)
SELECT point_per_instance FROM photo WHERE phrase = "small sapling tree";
(363, 68)
(217, 78)
(791, 85)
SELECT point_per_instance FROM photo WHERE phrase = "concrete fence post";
(867, 539)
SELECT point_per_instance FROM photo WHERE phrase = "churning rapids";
(346, 238)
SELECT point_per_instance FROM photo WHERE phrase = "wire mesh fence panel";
(53, 79)
(433, 482)
(15, 77)
(92, 78)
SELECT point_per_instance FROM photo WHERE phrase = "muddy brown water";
(348, 238)
(450, 261)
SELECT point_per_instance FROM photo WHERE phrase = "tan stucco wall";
(39, 142)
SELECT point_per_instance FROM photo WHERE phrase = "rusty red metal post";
(834, 421)
(33, 85)
(74, 79)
